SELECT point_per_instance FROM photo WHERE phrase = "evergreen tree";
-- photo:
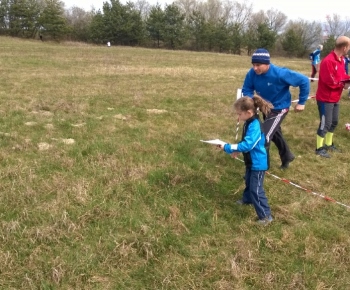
(96, 29)
(292, 42)
(79, 21)
(250, 40)
(237, 38)
(122, 23)
(155, 24)
(222, 36)
(328, 45)
(4, 16)
(174, 28)
(196, 26)
(20, 17)
(17, 15)
(31, 18)
(133, 28)
(52, 22)
(210, 30)
(266, 38)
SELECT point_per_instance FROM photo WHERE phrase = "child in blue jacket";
(315, 61)
(255, 154)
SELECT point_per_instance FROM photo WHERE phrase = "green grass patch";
(105, 185)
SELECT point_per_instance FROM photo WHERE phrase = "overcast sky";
(294, 9)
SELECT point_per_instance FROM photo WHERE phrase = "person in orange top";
(329, 90)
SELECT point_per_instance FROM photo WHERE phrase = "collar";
(336, 57)
(252, 118)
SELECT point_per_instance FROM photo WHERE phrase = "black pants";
(273, 132)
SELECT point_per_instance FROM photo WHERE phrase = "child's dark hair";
(247, 103)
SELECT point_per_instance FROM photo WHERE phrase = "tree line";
(215, 26)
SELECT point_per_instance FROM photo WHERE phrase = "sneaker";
(322, 152)
(241, 202)
(332, 148)
(265, 221)
(285, 165)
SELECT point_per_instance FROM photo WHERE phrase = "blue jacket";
(346, 63)
(273, 86)
(252, 145)
(316, 56)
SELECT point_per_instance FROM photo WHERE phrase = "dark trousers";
(254, 192)
(329, 115)
(313, 71)
(273, 132)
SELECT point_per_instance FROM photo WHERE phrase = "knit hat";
(261, 55)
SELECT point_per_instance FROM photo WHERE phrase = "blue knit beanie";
(261, 55)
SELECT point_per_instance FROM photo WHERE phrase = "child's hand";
(220, 147)
(234, 154)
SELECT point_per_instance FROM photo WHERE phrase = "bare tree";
(212, 10)
(258, 18)
(143, 7)
(186, 6)
(335, 26)
(311, 32)
(276, 20)
(78, 20)
(241, 13)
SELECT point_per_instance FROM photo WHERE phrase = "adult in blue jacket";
(272, 84)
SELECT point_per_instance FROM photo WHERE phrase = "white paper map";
(214, 142)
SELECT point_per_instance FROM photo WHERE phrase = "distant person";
(346, 63)
(315, 61)
(272, 84)
(41, 37)
(255, 155)
(329, 91)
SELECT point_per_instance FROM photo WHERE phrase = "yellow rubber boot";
(319, 142)
(321, 151)
(329, 138)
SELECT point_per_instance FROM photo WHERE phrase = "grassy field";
(105, 185)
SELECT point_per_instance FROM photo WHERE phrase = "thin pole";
(239, 95)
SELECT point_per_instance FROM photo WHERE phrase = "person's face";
(244, 115)
(260, 68)
(347, 50)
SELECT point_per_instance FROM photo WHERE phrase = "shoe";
(241, 202)
(332, 148)
(265, 221)
(322, 152)
(285, 165)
